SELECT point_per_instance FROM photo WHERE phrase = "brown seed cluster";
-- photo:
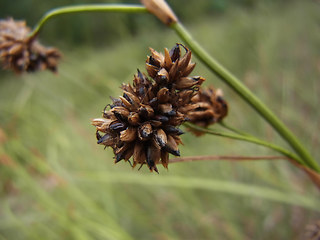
(207, 107)
(143, 123)
(20, 52)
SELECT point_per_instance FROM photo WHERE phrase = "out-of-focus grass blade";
(205, 184)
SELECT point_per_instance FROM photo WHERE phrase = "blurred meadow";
(57, 183)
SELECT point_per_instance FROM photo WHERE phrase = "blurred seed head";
(207, 107)
(22, 53)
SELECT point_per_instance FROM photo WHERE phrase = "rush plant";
(144, 122)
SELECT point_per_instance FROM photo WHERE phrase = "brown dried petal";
(175, 53)
(187, 82)
(134, 118)
(145, 131)
(158, 58)
(162, 76)
(188, 70)
(174, 71)
(139, 155)
(131, 97)
(152, 70)
(126, 102)
(120, 112)
(153, 157)
(128, 135)
(163, 95)
(172, 146)
(107, 139)
(185, 60)
(146, 111)
(167, 59)
(167, 109)
(165, 158)
(101, 123)
(160, 138)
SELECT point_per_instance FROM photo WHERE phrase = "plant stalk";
(247, 95)
(247, 138)
(123, 8)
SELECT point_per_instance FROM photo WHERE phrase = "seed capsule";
(128, 135)
(145, 131)
(167, 59)
(162, 76)
(151, 69)
(145, 111)
(173, 130)
(173, 73)
(139, 155)
(117, 126)
(121, 113)
(188, 70)
(131, 98)
(153, 157)
(15, 49)
(134, 118)
(165, 158)
(188, 82)
(106, 139)
(175, 53)
(165, 108)
(184, 61)
(126, 103)
(160, 138)
(172, 147)
(102, 124)
(163, 95)
(162, 118)
(157, 57)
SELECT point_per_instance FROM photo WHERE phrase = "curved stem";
(247, 95)
(232, 129)
(247, 138)
(125, 8)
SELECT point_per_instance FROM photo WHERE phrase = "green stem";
(124, 8)
(247, 95)
(247, 138)
(232, 129)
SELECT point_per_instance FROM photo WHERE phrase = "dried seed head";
(171, 66)
(207, 107)
(22, 53)
(144, 122)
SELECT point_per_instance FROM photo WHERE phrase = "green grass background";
(57, 183)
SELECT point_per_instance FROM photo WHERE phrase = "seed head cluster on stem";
(22, 53)
(144, 122)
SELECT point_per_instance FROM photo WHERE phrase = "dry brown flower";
(207, 107)
(144, 122)
(23, 53)
(161, 10)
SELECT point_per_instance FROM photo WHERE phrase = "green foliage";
(96, 30)
(56, 182)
